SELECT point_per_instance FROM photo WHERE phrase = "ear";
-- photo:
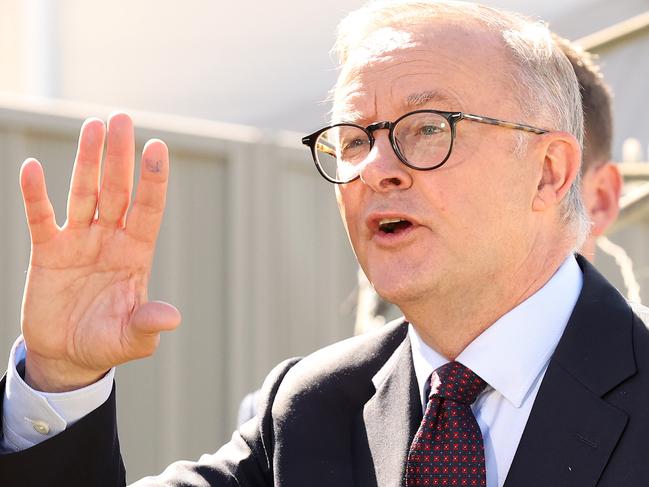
(561, 156)
(601, 188)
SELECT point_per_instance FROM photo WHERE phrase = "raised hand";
(85, 305)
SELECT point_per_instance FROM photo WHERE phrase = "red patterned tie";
(447, 449)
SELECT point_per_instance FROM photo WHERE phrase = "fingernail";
(153, 165)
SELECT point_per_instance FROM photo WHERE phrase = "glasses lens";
(424, 139)
(340, 150)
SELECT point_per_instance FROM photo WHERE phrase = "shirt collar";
(511, 353)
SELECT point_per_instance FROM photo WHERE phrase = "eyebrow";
(419, 99)
(439, 98)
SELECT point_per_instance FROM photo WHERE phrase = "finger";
(142, 334)
(84, 187)
(144, 219)
(38, 208)
(117, 180)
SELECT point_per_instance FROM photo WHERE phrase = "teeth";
(391, 225)
(387, 221)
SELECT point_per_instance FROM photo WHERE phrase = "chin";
(399, 291)
(403, 280)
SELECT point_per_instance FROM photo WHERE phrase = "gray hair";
(548, 92)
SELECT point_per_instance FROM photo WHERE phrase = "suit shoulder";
(346, 367)
(640, 317)
(642, 312)
(354, 353)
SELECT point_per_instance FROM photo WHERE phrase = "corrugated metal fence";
(251, 251)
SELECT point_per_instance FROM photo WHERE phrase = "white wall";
(256, 62)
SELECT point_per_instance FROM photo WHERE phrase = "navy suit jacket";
(345, 416)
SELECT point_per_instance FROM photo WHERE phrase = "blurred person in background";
(601, 183)
(456, 150)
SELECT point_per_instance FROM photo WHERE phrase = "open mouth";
(393, 225)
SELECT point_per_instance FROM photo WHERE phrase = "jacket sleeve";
(89, 449)
(87, 453)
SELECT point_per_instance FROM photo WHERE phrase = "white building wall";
(626, 68)
(260, 63)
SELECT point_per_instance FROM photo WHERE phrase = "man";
(601, 181)
(456, 149)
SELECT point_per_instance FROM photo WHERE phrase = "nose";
(383, 170)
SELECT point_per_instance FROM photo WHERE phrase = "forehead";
(444, 65)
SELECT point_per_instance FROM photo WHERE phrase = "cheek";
(477, 204)
(348, 205)
(340, 202)
(452, 200)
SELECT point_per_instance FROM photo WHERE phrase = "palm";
(91, 280)
(85, 306)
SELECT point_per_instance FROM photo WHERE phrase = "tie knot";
(455, 382)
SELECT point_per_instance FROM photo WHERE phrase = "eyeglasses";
(422, 140)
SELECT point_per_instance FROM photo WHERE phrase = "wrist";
(54, 375)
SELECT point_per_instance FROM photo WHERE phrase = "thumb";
(147, 321)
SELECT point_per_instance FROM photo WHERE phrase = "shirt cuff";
(30, 416)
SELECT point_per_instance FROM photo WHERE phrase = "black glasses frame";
(452, 117)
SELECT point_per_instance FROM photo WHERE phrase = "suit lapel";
(389, 422)
(572, 430)
(316, 409)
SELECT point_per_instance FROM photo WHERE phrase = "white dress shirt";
(512, 356)
(30, 417)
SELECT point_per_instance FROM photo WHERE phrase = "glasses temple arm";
(502, 123)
